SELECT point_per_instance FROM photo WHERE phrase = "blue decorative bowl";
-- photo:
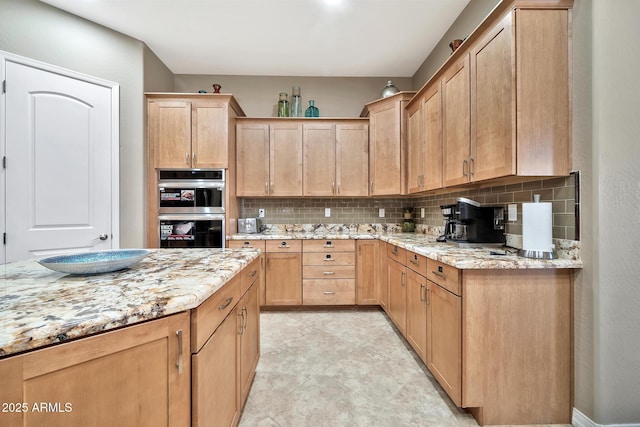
(94, 262)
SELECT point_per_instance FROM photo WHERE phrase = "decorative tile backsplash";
(559, 191)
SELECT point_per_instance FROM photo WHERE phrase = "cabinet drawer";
(444, 275)
(284, 246)
(329, 245)
(417, 263)
(329, 272)
(329, 259)
(397, 253)
(253, 244)
(249, 275)
(208, 315)
(329, 292)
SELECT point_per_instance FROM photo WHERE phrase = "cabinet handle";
(186, 159)
(226, 303)
(271, 187)
(245, 316)
(422, 293)
(328, 258)
(440, 275)
(414, 262)
(464, 172)
(179, 362)
(333, 188)
(329, 245)
(472, 166)
(402, 279)
(193, 159)
(266, 187)
(241, 317)
(284, 245)
(328, 273)
(371, 188)
(338, 188)
(395, 250)
(427, 296)
(253, 273)
(329, 293)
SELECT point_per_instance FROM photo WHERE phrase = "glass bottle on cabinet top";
(283, 105)
(296, 103)
(312, 111)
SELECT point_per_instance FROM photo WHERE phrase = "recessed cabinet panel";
(319, 167)
(285, 159)
(252, 147)
(352, 159)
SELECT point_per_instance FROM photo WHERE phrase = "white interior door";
(60, 162)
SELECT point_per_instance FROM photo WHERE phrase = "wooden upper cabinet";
(285, 159)
(456, 122)
(424, 141)
(543, 97)
(252, 161)
(493, 108)
(190, 131)
(387, 132)
(352, 159)
(319, 165)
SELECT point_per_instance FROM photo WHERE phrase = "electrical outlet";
(260, 213)
(327, 212)
(381, 212)
(421, 212)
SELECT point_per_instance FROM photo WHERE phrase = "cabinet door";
(417, 313)
(249, 328)
(285, 160)
(319, 167)
(444, 339)
(368, 288)
(384, 151)
(215, 378)
(129, 377)
(352, 160)
(252, 160)
(415, 148)
(210, 135)
(432, 131)
(456, 122)
(493, 104)
(383, 275)
(170, 133)
(283, 279)
(398, 295)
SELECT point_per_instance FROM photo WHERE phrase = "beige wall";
(258, 95)
(33, 29)
(615, 205)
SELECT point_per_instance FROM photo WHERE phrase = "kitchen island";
(135, 347)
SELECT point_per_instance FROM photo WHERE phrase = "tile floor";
(342, 368)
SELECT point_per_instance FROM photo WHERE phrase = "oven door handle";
(190, 185)
(191, 217)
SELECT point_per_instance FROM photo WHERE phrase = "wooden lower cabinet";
(383, 275)
(444, 339)
(367, 275)
(417, 313)
(328, 272)
(283, 275)
(397, 306)
(138, 375)
(249, 333)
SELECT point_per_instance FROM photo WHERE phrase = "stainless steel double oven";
(191, 209)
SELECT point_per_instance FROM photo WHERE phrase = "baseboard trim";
(579, 419)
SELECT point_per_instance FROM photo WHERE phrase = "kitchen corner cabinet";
(387, 151)
(189, 130)
(335, 159)
(367, 272)
(138, 375)
(424, 141)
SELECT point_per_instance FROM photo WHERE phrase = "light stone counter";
(39, 307)
(463, 257)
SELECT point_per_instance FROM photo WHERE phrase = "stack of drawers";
(328, 272)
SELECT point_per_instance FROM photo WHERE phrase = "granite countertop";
(39, 307)
(463, 257)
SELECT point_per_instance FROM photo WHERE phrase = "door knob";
(103, 236)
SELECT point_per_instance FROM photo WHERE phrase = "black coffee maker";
(468, 222)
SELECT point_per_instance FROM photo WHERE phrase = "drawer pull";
(413, 261)
(422, 293)
(328, 258)
(246, 243)
(284, 245)
(328, 273)
(226, 303)
(329, 293)
(329, 244)
(253, 273)
(179, 362)
(439, 274)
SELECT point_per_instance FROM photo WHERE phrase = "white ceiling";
(347, 38)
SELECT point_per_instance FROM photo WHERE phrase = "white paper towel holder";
(528, 253)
